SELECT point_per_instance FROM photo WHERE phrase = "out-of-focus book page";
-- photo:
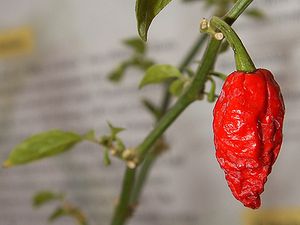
(57, 78)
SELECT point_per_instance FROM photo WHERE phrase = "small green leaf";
(44, 197)
(136, 61)
(153, 109)
(144, 63)
(58, 213)
(42, 145)
(177, 87)
(210, 3)
(159, 73)
(117, 74)
(146, 10)
(70, 211)
(114, 130)
(136, 44)
(106, 158)
(105, 140)
(119, 145)
(188, 1)
(90, 136)
(256, 13)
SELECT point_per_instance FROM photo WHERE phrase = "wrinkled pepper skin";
(247, 125)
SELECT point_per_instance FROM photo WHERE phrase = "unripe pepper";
(247, 126)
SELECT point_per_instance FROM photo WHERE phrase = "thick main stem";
(142, 177)
(122, 211)
(152, 156)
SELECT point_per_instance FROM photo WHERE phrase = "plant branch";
(192, 53)
(184, 64)
(122, 210)
(152, 156)
(187, 98)
(237, 9)
(142, 177)
(197, 85)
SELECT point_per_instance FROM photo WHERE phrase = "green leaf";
(136, 44)
(90, 136)
(119, 145)
(42, 145)
(58, 213)
(159, 73)
(114, 130)
(144, 63)
(188, 1)
(177, 87)
(146, 10)
(70, 211)
(153, 109)
(117, 74)
(255, 13)
(105, 140)
(106, 158)
(44, 197)
(210, 3)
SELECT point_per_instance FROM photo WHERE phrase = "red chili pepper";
(247, 126)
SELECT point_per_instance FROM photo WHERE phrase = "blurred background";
(55, 56)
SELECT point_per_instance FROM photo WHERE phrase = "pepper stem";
(242, 59)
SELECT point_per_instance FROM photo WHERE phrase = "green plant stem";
(142, 177)
(209, 57)
(184, 64)
(197, 85)
(242, 59)
(237, 9)
(218, 74)
(122, 210)
(186, 99)
(163, 124)
(152, 156)
(192, 53)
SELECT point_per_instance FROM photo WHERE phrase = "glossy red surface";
(247, 125)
